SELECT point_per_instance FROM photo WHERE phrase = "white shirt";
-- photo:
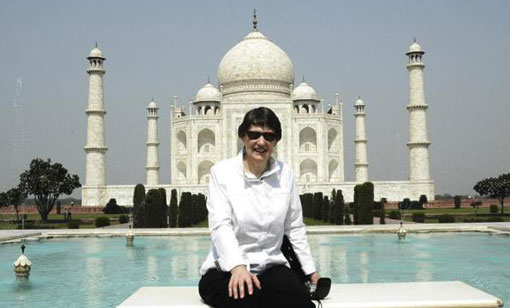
(248, 217)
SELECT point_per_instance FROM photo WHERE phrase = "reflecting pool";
(102, 272)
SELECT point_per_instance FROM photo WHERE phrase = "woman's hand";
(241, 276)
(314, 278)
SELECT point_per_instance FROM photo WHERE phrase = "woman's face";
(258, 148)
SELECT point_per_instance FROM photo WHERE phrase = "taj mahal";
(256, 72)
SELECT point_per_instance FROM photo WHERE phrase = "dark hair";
(261, 116)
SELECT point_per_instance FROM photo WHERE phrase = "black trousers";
(281, 288)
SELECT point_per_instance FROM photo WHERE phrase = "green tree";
(325, 209)
(457, 201)
(173, 209)
(382, 220)
(364, 203)
(139, 206)
(476, 205)
(163, 208)
(46, 182)
(184, 217)
(317, 205)
(347, 214)
(15, 197)
(152, 212)
(498, 188)
(202, 204)
(337, 212)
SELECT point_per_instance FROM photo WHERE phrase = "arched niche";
(181, 141)
(181, 170)
(308, 170)
(332, 169)
(307, 140)
(203, 171)
(206, 141)
(332, 139)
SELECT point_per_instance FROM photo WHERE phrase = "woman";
(253, 202)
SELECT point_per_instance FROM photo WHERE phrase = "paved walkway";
(493, 228)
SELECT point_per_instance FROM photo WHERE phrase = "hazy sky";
(164, 48)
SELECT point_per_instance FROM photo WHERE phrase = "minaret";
(96, 146)
(418, 141)
(152, 145)
(361, 165)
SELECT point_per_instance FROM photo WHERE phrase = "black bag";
(323, 285)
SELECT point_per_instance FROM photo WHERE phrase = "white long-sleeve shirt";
(248, 217)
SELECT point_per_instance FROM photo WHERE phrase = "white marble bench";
(452, 294)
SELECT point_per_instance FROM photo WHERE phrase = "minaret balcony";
(95, 111)
(92, 149)
(152, 143)
(96, 70)
(417, 144)
(417, 107)
(415, 65)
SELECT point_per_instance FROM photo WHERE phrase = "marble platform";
(451, 294)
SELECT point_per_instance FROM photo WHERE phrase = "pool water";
(102, 272)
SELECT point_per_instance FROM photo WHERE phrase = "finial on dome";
(303, 77)
(96, 44)
(208, 81)
(255, 20)
(415, 39)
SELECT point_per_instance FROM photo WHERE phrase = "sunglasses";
(256, 135)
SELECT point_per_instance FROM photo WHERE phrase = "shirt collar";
(274, 167)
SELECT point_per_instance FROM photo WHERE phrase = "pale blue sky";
(164, 48)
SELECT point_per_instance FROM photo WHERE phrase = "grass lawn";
(452, 211)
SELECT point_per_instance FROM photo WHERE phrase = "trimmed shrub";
(405, 204)
(173, 209)
(494, 209)
(184, 217)
(423, 200)
(337, 212)
(101, 221)
(419, 217)
(123, 219)
(317, 205)
(347, 215)
(394, 214)
(456, 201)
(139, 206)
(446, 218)
(416, 205)
(152, 201)
(73, 224)
(195, 214)
(112, 207)
(473, 220)
(364, 204)
(382, 219)
(325, 209)
(162, 209)
(308, 207)
(202, 207)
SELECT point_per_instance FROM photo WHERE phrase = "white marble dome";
(96, 53)
(255, 58)
(415, 47)
(208, 93)
(359, 102)
(152, 105)
(304, 92)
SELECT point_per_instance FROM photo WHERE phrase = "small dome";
(415, 47)
(96, 53)
(22, 261)
(304, 92)
(255, 58)
(208, 93)
(359, 102)
(152, 105)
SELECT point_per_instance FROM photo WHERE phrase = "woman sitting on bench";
(253, 202)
